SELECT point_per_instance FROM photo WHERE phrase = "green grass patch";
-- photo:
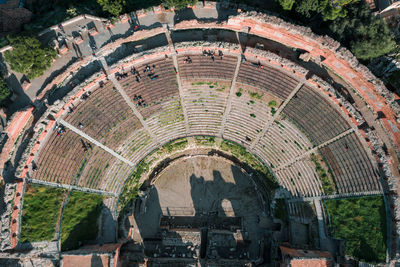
(272, 104)
(326, 178)
(79, 221)
(205, 140)
(362, 223)
(255, 95)
(176, 145)
(132, 185)
(40, 212)
(280, 211)
(198, 83)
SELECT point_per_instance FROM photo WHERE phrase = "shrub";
(362, 223)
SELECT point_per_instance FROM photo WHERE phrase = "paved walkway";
(336, 196)
(128, 100)
(97, 143)
(275, 116)
(315, 149)
(132, 106)
(178, 78)
(231, 94)
(72, 187)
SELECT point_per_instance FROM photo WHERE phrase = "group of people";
(211, 53)
(187, 60)
(140, 102)
(86, 145)
(120, 76)
(60, 129)
(258, 65)
(149, 70)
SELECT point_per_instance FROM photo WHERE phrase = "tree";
(28, 56)
(287, 4)
(327, 9)
(178, 4)
(367, 36)
(4, 91)
(114, 7)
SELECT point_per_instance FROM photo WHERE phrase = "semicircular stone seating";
(283, 141)
(162, 110)
(205, 86)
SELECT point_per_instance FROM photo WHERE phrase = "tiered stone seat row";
(105, 116)
(116, 175)
(137, 146)
(169, 123)
(94, 172)
(153, 92)
(301, 211)
(351, 166)
(205, 104)
(267, 78)
(60, 158)
(300, 179)
(204, 67)
(315, 116)
(249, 114)
(282, 143)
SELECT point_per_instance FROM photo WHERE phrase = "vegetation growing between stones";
(326, 178)
(79, 222)
(362, 223)
(205, 140)
(40, 212)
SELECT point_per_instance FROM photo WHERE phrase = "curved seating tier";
(205, 104)
(300, 179)
(60, 158)
(169, 123)
(152, 91)
(282, 143)
(351, 166)
(137, 146)
(249, 114)
(105, 116)
(204, 67)
(301, 211)
(307, 120)
(267, 78)
(94, 172)
(315, 116)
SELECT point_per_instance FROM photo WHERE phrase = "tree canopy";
(286, 4)
(28, 56)
(178, 4)
(4, 91)
(114, 7)
(328, 9)
(367, 36)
